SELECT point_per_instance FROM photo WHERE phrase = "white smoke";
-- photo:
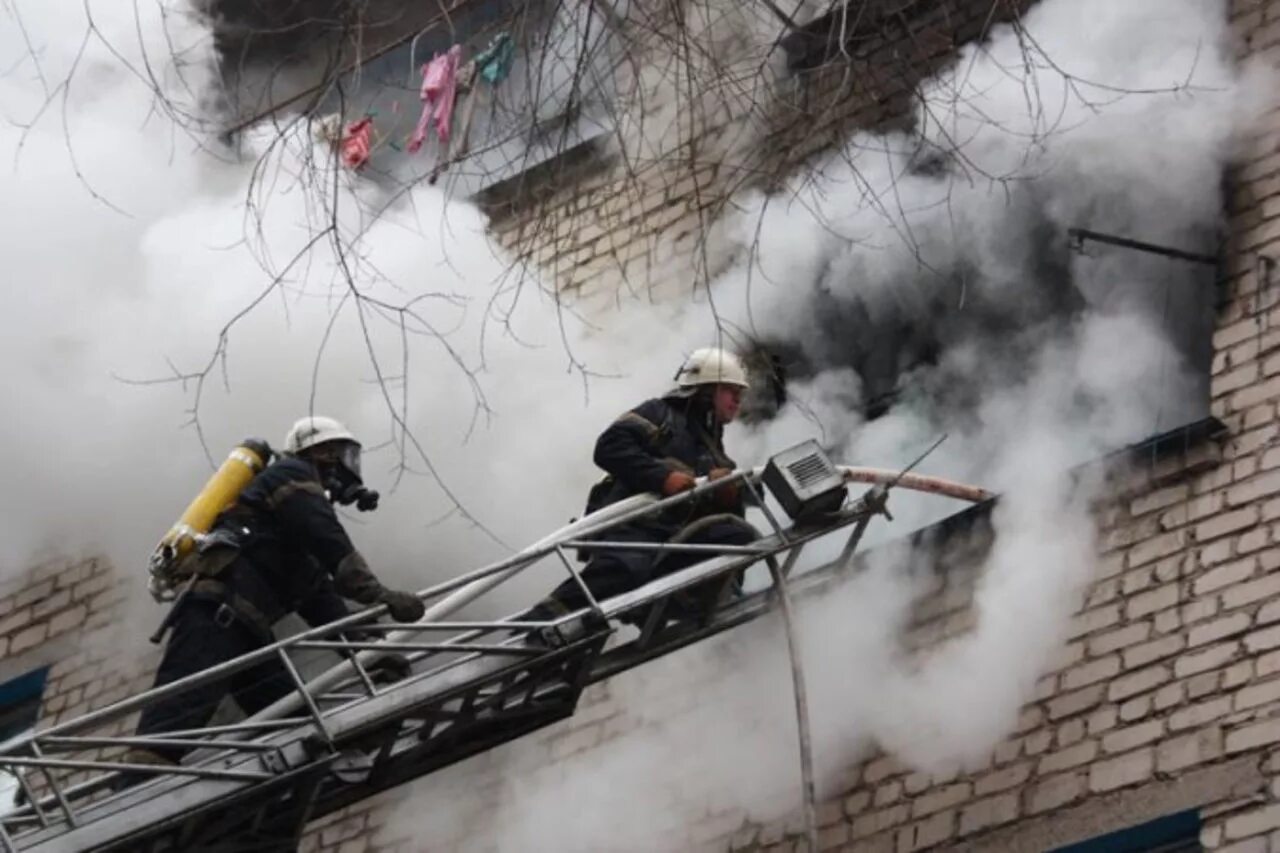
(130, 246)
(1133, 143)
(707, 77)
(137, 283)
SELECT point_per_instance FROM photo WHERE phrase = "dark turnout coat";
(293, 553)
(279, 549)
(639, 450)
(644, 445)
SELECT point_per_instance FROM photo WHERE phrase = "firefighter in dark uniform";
(279, 549)
(661, 446)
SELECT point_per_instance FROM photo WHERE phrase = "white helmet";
(712, 366)
(313, 430)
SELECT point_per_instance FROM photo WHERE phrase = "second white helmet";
(712, 366)
(315, 429)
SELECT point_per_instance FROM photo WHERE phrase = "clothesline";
(445, 78)
(441, 17)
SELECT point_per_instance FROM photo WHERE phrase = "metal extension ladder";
(343, 736)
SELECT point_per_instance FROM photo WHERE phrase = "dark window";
(20, 700)
(1176, 833)
(1176, 289)
(894, 340)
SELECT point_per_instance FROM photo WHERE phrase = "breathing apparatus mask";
(340, 475)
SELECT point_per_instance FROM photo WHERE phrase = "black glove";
(367, 500)
(390, 668)
(403, 606)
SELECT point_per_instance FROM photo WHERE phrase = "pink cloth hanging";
(439, 90)
(355, 143)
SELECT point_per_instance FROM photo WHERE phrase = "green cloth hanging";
(494, 62)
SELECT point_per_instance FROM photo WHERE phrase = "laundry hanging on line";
(356, 142)
(445, 79)
(494, 62)
(493, 65)
(439, 90)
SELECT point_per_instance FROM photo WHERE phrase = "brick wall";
(65, 614)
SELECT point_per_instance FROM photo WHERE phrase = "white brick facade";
(1167, 696)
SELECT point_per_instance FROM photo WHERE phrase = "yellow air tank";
(218, 494)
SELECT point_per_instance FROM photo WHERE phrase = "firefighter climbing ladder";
(474, 685)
